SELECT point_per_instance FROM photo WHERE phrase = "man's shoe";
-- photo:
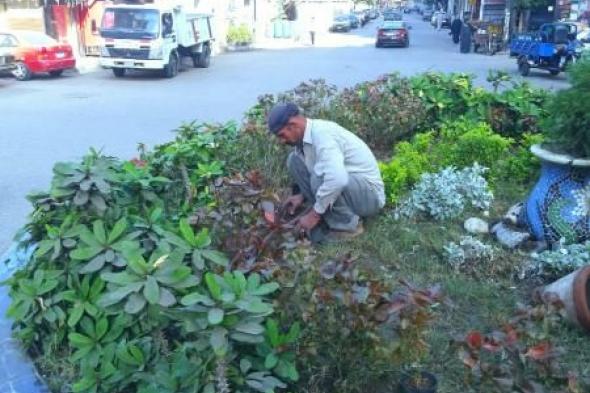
(334, 235)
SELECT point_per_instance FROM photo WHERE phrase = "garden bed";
(175, 271)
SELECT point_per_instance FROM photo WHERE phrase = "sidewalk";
(17, 373)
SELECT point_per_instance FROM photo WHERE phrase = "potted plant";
(414, 316)
(558, 207)
(240, 37)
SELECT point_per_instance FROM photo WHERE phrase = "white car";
(7, 60)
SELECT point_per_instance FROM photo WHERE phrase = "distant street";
(47, 120)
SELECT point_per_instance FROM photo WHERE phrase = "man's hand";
(308, 221)
(293, 202)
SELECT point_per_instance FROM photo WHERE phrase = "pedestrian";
(333, 171)
(312, 30)
(439, 20)
(456, 29)
(466, 37)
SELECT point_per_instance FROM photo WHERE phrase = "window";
(7, 41)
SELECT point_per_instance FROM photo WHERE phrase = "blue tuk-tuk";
(552, 48)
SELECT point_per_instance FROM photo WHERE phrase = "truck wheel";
(524, 68)
(119, 72)
(203, 59)
(171, 69)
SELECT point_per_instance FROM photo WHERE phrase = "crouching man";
(332, 169)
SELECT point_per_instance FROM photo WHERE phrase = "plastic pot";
(574, 292)
(407, 384)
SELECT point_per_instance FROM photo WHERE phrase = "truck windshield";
(130, 23)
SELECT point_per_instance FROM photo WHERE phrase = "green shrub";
(448, 96)
(239, 35)
(460, 143)
(567, 128)
(130, 295)
(381, 112)
(518, 110)
(521, 166)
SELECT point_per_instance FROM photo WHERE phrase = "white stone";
(476, 225)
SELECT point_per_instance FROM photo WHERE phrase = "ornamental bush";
(128, 296)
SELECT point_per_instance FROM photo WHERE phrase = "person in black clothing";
(456, 29)
(466, 37)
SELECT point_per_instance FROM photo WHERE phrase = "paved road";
(46, 120)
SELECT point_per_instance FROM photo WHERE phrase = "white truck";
(153, 36)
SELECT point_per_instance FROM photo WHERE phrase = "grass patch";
(414, 251)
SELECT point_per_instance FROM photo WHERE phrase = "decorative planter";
(574, 292)
(429, 385)
(559, 204)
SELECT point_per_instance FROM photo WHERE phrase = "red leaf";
(511, 335)
(540, 351)
(474, 340)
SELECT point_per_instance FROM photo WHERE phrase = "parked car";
(373, 14)
(393, 33)
(341, 23)
(36, 52)
(6, 57)
(446, 19)
(392, 16)
(427, 14)
(354, 21)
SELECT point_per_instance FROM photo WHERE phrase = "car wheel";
(171, 69)
(377, 44)
(22, 72)
(407, 44)
(56, 73)
(119, 72)
(203, 59)
(554, 72)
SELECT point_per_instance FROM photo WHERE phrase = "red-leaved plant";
(520, 356)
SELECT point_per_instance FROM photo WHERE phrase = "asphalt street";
(47, 120)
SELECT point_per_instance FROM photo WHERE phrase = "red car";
(36, 53)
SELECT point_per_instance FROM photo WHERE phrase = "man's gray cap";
(279, 116)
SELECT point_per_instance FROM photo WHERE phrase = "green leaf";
(138, 264)
(218, 341)
(253, 281)
(85, 253)
(98, 202)
(167, 299)
(255, 306)
(195, 298)
(75, 314)
(172, 275)
(247, 338)
(197, 260)
(151, 290)
(265, 289)
(84, 385)
(117, 230)
(135, 303)
(94, 265)
(293, 333)
(47, 286)
(215, 316)
(249, 328)
(99, 231)
(136, 353)
(80, 340)
(216, 257)
(187, 232)
(213, 286)
(119, 278)
(44, 247)
(123, 355)
(202, 239)
(101, 328)
(155, 215)
(270, 361)
(112, 297)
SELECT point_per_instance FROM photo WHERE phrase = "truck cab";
(149, 36)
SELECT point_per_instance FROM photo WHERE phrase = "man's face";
(290, 134)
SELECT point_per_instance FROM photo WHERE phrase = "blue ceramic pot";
(558, 207)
